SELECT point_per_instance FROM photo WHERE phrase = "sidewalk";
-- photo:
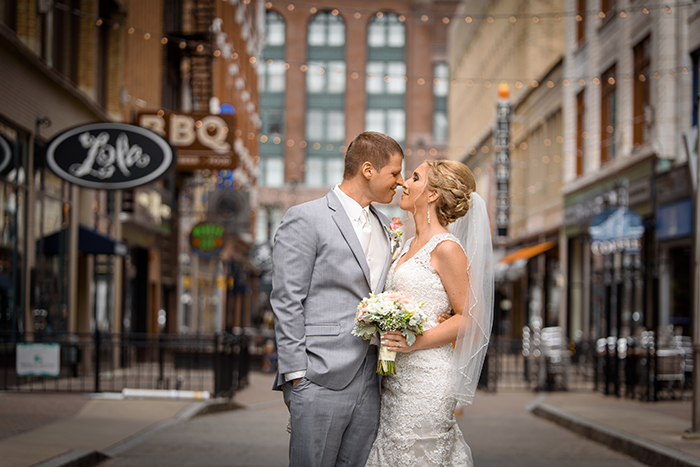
(57, 429)
(651, 432)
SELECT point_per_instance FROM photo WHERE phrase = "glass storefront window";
(49, 290)
(12, 231)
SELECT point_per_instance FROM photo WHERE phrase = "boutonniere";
(395, 235)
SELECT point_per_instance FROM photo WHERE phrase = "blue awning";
(90, 242)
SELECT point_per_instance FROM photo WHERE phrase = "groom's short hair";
(369, 146)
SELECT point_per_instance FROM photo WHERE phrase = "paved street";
(498, 427)
(502, 433)
(252, 436)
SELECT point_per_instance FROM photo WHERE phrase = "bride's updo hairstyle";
(455, 183)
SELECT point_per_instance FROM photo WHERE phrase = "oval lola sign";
(109, 156)
(5, 154)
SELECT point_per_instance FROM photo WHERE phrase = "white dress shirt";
(378, 247)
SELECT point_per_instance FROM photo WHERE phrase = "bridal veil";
(474, 232)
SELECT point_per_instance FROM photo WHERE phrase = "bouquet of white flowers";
(389, 311)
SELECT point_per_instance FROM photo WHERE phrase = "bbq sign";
(109, 156)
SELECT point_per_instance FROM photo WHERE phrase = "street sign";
(109, 156)
(203, 141)
(502, 162)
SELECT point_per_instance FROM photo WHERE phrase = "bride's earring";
(428, 213)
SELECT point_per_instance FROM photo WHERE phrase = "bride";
(448, 270)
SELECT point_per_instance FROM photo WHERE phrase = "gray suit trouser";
(334, 428)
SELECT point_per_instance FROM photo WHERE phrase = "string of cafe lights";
(183, 44)
(425, 13)
(486, 82)
(523, 148)
(420, 80)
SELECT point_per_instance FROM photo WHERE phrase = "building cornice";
(12, 43)
(609, 170)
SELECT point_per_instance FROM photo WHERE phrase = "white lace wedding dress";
(417, 425)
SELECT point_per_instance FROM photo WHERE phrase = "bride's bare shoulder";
(449, 256)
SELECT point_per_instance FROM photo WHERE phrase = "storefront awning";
(90, 242)
(528, 252)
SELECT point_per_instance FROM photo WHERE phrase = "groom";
(328, 255)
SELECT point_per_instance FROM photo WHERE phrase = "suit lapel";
(342, 221)
(387, 264)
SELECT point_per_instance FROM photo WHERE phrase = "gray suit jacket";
(320, 275)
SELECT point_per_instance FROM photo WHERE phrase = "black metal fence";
(510, 366)
(631, 368)
(100, 362)
(635, 368)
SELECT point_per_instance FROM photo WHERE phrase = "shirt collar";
(352, 207)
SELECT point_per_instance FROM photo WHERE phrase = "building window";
(8, 13)
(325, 77)
(386, 31)
(272, 77)
(60, 29)
(325, 125)
(268, 218)
(696, 85)
(273, 123)
(274, 29)
(607, 7)
(324, 170)
(389, 121)
(441, 78)
(580, 122)
(641, 92)
(608, 147)
(271, 171)
(272, 88)
(325, 105)
(581, 21)
(580, 137)
(326, 30)
(440, 127)
(386, 76)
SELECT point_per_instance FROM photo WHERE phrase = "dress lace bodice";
(417, 425)
(417, 277)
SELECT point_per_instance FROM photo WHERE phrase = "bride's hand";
(395, 341)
